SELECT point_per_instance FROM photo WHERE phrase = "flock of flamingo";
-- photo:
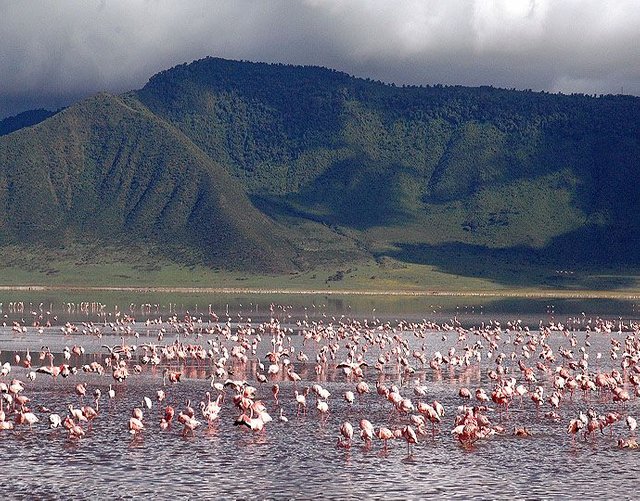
(551, 371)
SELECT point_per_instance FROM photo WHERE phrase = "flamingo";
(366, 431)
(89, 412)
(189, 422)
(302, 402)
(632, 424)
(253, 423)
(6, 425)
(76, 413)
(384, 434)
(410, 436)
(135, 421)
(54, 421)
(165, 421)
(323, 408)
(346, 430)
(349, 396)
(96, 398)
(575, 425)
(27, 417)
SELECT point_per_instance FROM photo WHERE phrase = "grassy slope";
(109, 169)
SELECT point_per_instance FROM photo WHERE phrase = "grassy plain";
(99, 268)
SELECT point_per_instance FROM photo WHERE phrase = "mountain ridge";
(24, 119)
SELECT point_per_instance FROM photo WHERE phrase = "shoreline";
(525, 294)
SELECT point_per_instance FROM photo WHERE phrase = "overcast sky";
(55, 52)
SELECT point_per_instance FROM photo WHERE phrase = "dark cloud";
(53, 53)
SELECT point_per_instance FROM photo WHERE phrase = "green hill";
(24, 119)
(108, 169)
(273, 167)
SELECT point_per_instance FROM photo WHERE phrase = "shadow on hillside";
(359, 193)
(591, 259)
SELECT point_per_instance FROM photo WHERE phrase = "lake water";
(299, 458)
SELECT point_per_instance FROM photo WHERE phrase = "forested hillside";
(24, 119)
(272, 155)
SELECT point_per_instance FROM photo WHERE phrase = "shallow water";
(299, 459)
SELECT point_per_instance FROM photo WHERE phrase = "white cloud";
(510, 25)
(54, 52)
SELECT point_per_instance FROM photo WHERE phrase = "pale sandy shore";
(577, 294)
